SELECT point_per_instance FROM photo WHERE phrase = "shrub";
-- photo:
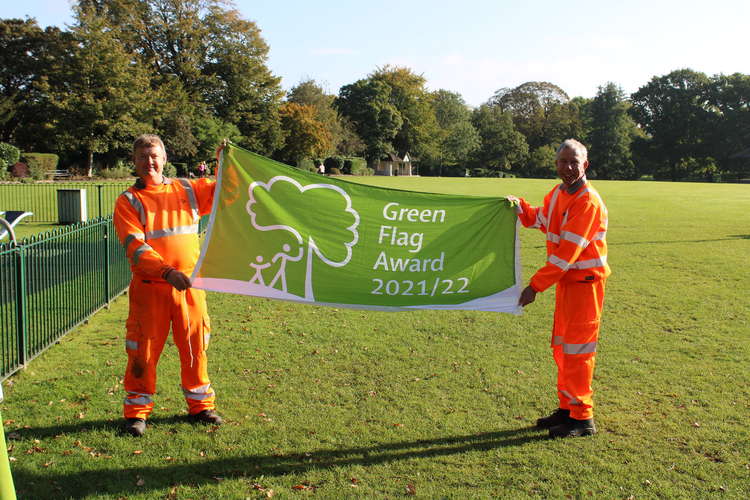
(333, 171)
(40, 163)
(357, 166)
(181, 170)
(121, 170)
(9, 155)
(307, 164)
(169, 170)
(332, 162)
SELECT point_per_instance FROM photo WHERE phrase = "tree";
(418, 133)
(102, 96)
(457, 137)
(27, 54)
(611, 136)
(675, 111)
(502, 146)
(344, 139)
(541, 111)
(211, 59)
(307, 137)
(367, 103)
(729, 97)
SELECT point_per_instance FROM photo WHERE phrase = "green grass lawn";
(339, 403)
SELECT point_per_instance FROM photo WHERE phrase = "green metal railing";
(51, 283)
(41, 198)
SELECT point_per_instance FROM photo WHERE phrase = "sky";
(475, 47)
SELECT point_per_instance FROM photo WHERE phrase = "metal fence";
(41, 198)
(52, 283)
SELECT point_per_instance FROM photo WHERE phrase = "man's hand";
(514, 201)
(527, 296)
(178, 279)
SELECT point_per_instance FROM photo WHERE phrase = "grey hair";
(145, 140)
(573, 144)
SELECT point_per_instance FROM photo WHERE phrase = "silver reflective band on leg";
(143, 399)
(586, 348)
(571, 400)
(199, 393)
(131, 344)
(557, 339)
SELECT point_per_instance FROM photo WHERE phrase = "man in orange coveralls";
(574, 219)
(157, 222)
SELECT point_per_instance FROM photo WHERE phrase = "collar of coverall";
(572, 188)
(139, 184)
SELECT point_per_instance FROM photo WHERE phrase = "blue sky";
(475, 47)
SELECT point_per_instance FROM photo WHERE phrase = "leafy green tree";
(211, 60)
(418, 133)
(367, 104)
(675, 111)
(729, 97)
(27, 53)
(611, 136)
(541, 111)
(101, 98)
(344, 137)
(502, 147)
(307, 136)
(458, 138)
(210, 131)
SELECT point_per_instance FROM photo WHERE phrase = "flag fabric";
(281, 232)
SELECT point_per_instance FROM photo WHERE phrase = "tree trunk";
(90, 164)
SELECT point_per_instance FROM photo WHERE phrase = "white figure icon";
(258, 276)
(281, 273)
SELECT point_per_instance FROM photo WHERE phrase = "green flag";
(280, 232)
(7, 491)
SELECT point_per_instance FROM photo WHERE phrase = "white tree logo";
(320, 212)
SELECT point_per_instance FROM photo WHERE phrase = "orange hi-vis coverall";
(158, 226)
(575, 222)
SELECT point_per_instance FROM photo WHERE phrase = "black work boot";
(135, 426)
(558, 417)
(207, 417)
(573, 428)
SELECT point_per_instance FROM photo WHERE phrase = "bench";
(58, 174)
(10, 219)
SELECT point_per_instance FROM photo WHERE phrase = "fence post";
(99, 193)
(106, 259)
(21, 308)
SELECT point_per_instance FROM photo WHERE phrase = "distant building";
(392, 164)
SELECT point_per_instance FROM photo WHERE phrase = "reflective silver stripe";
(577, 239)
(554, 238)
(557, 261)
(131, 237)
(557, 339)
(141, 249)
(540, 220)
(199, 393)
(142, 400)
(191, 197)
(131, 344)
(206, 339)
(136, 203)
(588, 264)
(161, 233)
(599, 236)
(552, 203)
(586, 348)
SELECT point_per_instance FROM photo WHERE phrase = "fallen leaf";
(696, 424)
(47, 464)
(410, 489)
(140, 482)
(137, 452)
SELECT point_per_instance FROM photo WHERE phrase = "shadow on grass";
(122, 481)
